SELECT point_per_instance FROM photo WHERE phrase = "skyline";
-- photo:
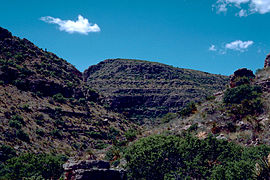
(219, 36)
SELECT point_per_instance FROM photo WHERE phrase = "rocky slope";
(145, 90)
(240, 113)
(46, 107)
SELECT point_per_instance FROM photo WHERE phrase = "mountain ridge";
(125, 82)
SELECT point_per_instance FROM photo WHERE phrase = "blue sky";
(216, 36)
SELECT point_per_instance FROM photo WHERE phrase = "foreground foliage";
(32, 166)
(175, 157)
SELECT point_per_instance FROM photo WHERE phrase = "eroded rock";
(92, 169)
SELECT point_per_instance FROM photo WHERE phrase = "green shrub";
(33, 165)
(244, 100)
(244, 92)
(189, 109)
(236, 170)
(131, 134)
(168, 117)
(93, 134)
(113, 133)
(40, 132)
(57, 133)
(209, 98)
(22, 135)
(6, 152)
(100, 145)
(112, 154)
(14, 123)
(18, 118)
(59, 98)
(25, 107)
(243, 80)
(59, 122)
(175, 157)
(39, 119)
(82, 101)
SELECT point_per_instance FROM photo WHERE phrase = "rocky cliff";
(144, 90)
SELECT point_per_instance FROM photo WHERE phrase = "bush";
(131, 134)
(39, 119)
(6, 152)
(59, 98)
(22, 135)
(56, 133)
(33, 165)
(189, 109)
(100, 145)
(25, 107)
(40, 132)
(244, 92)
(18, 118)
(243, 80)
(244, 100)
(168, 117)
(175, 157)
(14, 123)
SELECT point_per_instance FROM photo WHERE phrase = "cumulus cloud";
(81, 26)
(238, 45)
(212, 48)
(254, 6)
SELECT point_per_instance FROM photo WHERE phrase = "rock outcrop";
(267, 61)
(92, 169)
(243, 72)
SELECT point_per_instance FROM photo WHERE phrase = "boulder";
(92, 169)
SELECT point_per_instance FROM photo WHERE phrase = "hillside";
(144, 90)
(46, 107)
(239, 114)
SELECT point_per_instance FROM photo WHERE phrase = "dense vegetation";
(33, 166)
(244, 99)
(186, 157)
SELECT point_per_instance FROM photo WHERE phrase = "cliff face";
(46, 107)
(145, 90)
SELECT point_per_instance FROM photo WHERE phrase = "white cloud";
(242, 13)
(261, 6)
(81, 26)
(254, 6)
(238, 45)
(212, 48)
